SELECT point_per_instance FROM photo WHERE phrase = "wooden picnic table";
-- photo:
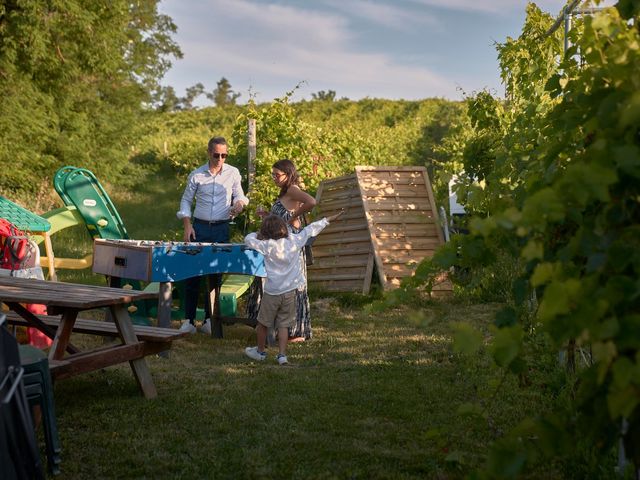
(67, 300)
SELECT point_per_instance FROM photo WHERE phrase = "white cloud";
(499, 7)
(485, 6)
(243, 20)
(388, 15)
(275, 44)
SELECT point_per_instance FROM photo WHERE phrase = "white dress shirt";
(282, 259)
(212, 193)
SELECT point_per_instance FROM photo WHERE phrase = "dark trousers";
(204, 233)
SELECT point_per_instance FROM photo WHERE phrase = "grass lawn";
(371, 396)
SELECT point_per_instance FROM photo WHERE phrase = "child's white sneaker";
(254, 354)
(206, 327)
(282, 359)
(188, 327)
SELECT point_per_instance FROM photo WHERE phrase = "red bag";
(13, 245)
(14, 248)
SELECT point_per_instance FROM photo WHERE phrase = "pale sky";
(394, 49)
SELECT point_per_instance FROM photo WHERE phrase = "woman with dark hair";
(291, 205)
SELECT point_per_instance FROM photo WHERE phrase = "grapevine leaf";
(628, 159)
(506, 345)
(623, 372)
(466, 339)
(622, 402)
(603, 353)
(533, 250)
(542, 206)
(542, 274)
(557, 299)
(505, 317)
(588, 182)
(630, 114)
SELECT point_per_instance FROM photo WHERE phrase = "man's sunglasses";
(219, 155)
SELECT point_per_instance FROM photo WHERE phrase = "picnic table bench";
(64, 301)
(155, 339)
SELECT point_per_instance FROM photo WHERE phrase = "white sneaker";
(188, 327)
(206, 327)
(282, 359)
(253, 353)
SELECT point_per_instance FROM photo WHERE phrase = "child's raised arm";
(335, 216)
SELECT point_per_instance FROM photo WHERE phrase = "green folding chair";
(39, 391)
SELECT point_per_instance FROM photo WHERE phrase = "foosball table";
(167, 262)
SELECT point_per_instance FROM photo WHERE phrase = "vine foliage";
(552, 178)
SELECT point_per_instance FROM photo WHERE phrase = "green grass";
(373, 395)
(369, 397)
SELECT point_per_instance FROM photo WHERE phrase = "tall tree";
(328, 96)
(166, 100)
(191, 94)
(223, 95)
(74, 77)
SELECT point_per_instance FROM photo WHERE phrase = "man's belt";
(212, 222)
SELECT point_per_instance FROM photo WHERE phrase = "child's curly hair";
(273, 227)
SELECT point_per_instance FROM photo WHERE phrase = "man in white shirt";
(213, 186)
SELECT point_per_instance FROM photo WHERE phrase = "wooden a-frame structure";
(390, 224)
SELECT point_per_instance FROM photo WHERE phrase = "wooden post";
(251, 142)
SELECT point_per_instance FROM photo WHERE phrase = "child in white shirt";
(285, 274)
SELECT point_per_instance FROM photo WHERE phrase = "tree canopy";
(223, 96)
(74, 77)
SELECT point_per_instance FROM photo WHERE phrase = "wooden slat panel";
(350, 192)
(339, 182)
(404, 257)
(389, 184)
(346, 261)
(342, 237)
(338, 276)
(411, 243)
(351, 205)
(391, 191)
(339, 286)
(403, 204)
(391, 220)
(402, 219)
(399, 269)
(400, 231)
(343, 248)
(380, 217)
(346, 225)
